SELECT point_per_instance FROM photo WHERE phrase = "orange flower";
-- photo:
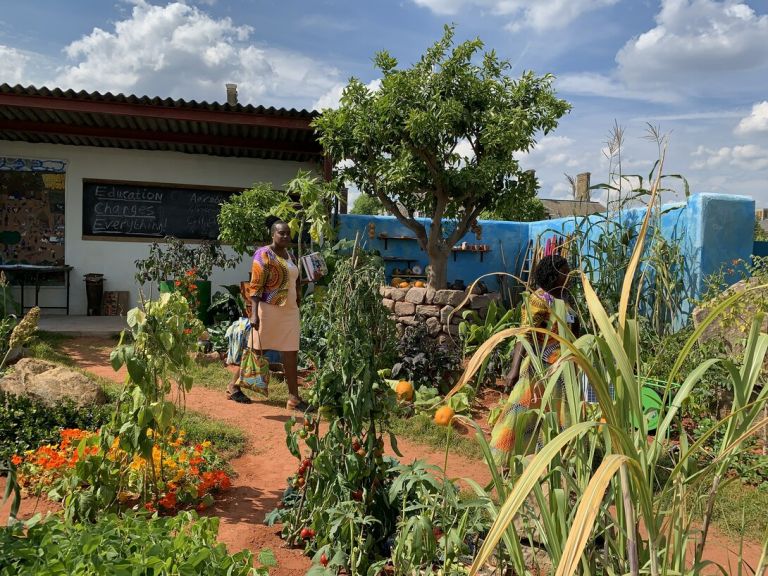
(168, 501)
(16, 460)
(149, 506)
(177, 283)
(187, 330)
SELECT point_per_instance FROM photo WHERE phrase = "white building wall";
(115, 258)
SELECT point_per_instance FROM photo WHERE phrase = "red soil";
(263, 469)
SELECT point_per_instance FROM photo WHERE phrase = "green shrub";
(25, 424)
(133, 544)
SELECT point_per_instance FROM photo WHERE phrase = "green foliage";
(131, 544)
(178, 260)
(365, 204)
(308, 207)
(425, 362)
(473, 332)
(227, 305)
(242, 218)
(159, 363)
(404, 142)
(26, 423)
(760, 233)
(229, 441)
(339, 490)
(527, 208)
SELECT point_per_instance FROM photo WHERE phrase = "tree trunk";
(437, 277)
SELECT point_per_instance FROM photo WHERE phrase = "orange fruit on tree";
(444, 415)
(404, 391)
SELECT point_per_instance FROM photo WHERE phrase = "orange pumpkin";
(444, 415)
(419, 284)
(404, 391)
(404, 285)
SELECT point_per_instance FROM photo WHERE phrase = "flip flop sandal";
(240, 397)
(301, 406)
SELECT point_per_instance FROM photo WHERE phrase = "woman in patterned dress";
(274, 293)
(519, 413)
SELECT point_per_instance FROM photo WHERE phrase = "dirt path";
(262, 470)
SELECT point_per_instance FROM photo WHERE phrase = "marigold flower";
(16, 459)
(149, 506)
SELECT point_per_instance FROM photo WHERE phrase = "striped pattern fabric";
(269, 277)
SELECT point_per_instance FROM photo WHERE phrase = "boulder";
(476, 301)
(429, 297)
(388, 304)
(405, 308)
(428, 310)
(52, 384)
(433, 326)
(408, 321)
(397, 294)
(385, 291)
(450, 297)
(416, 295)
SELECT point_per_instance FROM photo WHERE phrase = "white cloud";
(747, 157)
(757, 121)
(12, 64)
(539, 14)
(594, 84)
(695, 44)
(332, 97)
(179, 50)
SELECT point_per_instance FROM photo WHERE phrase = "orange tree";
(438, 139)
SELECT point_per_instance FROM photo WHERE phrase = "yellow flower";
(206, 444)
(182, 457)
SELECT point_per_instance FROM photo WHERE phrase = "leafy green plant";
(8, 304)
(425, 362)
(157, 357)
(242, 218)
(337, 500)
(227, 305)
(308, 208)
(473, 331)
(26, 423)
(130, 544)
(177, 260)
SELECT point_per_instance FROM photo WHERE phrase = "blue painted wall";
(713, 229)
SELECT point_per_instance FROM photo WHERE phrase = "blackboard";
(151, 210)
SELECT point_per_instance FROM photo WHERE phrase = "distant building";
(582, 205)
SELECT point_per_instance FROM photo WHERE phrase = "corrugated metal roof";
(139, 122)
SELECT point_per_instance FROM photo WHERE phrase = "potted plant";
(179, 267)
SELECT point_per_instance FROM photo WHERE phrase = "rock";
(408, 321)
(429, 297)
(385, 291)
(51, 384)
(450, 297)
(397, 294)
(416, 295)
(388, 304)
(445, 314)
(428, 310)
(433, 326)
(405, 308)
(453, 330)
(496, 296)
(15, 355)
(478, 301)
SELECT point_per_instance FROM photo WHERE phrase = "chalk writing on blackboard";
(128, 209)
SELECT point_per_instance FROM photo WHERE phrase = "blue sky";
(696, 68)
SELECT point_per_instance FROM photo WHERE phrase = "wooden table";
(31, 275)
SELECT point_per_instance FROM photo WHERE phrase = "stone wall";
(410, 306)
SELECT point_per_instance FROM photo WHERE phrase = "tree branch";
(463, 225)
